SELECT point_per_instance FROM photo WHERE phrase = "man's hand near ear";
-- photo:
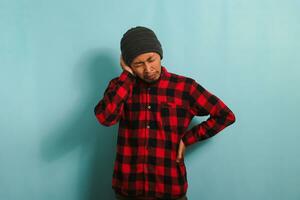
(125, 67)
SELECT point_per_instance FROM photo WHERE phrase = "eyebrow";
(141, 61)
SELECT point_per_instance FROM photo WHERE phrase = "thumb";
(179, 155)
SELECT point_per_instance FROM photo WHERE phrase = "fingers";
(180, 156)
(181, 151)
(125, 66)
(122, 63)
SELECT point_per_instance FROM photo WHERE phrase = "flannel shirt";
(153, 117)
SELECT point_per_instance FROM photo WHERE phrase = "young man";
(154, 109)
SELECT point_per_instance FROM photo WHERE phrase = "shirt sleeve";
(202, 103)
(110, 108)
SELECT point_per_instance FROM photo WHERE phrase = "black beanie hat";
(139, 40)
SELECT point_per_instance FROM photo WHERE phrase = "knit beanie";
(138, 40)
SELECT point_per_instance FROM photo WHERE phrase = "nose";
(147, 68)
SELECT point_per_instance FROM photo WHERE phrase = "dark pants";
(119, 197)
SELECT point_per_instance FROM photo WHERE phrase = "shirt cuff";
(125, 75)
(188, 138)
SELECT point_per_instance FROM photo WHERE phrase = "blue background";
(56, 58)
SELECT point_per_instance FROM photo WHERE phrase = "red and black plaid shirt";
(152, 120)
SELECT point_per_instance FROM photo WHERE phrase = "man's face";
(147, 66)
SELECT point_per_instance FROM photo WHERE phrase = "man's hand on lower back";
(181, 151)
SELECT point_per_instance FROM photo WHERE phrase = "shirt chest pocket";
(172, 116)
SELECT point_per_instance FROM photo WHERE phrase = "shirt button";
(148, 126)
(149, 107)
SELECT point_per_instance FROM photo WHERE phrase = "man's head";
(141, 50)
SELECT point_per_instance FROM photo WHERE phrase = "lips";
(151, 76)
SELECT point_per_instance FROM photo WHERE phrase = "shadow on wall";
(82, 134)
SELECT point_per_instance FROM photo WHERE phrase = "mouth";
(151, 76)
